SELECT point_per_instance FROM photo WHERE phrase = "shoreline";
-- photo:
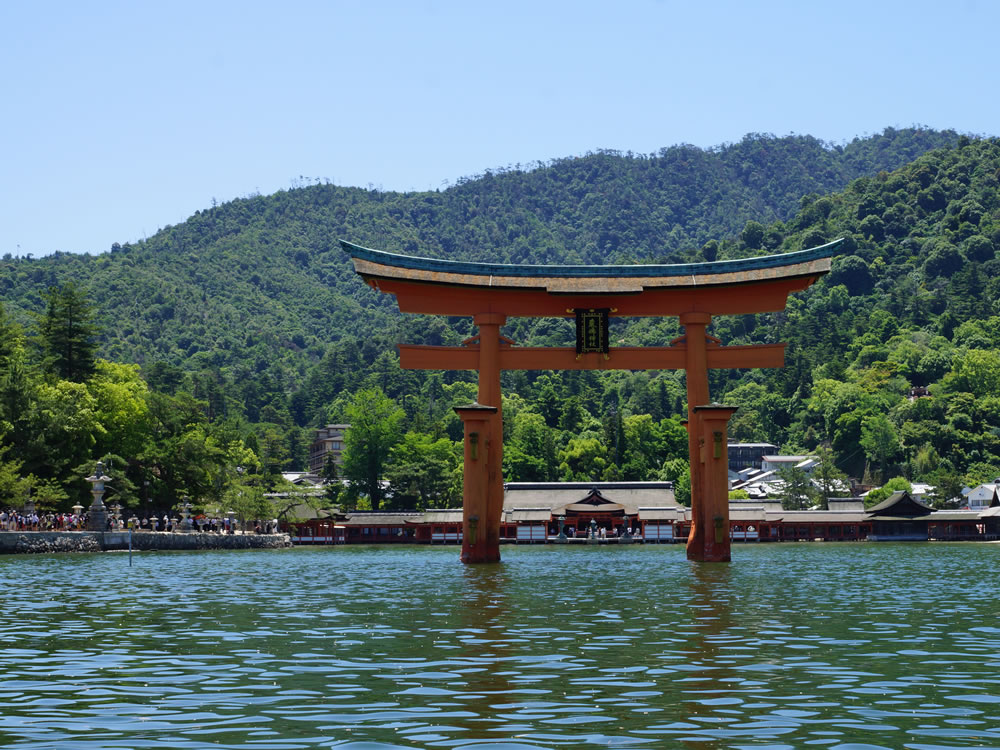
(48, 542)
(43, 542)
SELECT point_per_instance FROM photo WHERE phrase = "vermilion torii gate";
(492, 292)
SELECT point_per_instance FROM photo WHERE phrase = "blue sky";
(122, 117)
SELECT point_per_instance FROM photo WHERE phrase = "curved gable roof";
(900, 504)
(591, 278)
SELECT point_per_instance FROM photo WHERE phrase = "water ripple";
(839, 646)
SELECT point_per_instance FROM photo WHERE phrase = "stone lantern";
(185, 515)
(98, 520)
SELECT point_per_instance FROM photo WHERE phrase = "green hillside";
(260, 283)
(911, 303)
(252, 309)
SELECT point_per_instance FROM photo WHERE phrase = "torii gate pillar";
(696, 374)
(709, 539)
(480, 535)
(489, 395)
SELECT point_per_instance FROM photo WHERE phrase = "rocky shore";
(18, 542)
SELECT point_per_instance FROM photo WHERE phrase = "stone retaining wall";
(96, 541)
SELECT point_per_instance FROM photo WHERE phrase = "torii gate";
(492, 292)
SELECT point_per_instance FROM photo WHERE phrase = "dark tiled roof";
(899, 504)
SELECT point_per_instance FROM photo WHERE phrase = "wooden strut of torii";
(492, 292)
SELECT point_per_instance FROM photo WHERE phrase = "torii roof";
(591, 279)
(730, 287)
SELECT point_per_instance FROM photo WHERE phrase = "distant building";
(329, 440)
(777, 463)
(748, 455)
(901, 518)
(537, 512)
(983, 496)
(302, 478)
(768, 481)
(532, 509)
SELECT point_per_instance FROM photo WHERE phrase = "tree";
(896, 484)
(13, 486)
(331, 477)
(796, 492)
(530, 454)
(122, 407)
(979, 249)
(287, 497)
(67, 333)
(947, 487)
(247, 501)
(978, 373)
(676, 470)
(582, 460)
(424, 473)
(943, 260)
(164, 377)
(752, 235)
(273, 450)
(375, 421)
(853, 273)
(642, 454)
(879, 440)
(18, 394)
(11, 338)
(760, 416)
(64, 430)
(981, 473)
(182, 455)
(827, 476)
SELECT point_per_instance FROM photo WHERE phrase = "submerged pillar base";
(702, 549)
(480, 524)
(709, 540)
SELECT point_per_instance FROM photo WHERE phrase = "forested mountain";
(912, 303)
(252, 308)
(260, 284)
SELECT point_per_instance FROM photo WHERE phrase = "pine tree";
(375, 428)
(67, 334)
(10, 338)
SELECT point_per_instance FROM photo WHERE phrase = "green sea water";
(846, 646)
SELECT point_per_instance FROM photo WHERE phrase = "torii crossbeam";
(492, 292)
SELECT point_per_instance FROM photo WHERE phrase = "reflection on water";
(793, 645)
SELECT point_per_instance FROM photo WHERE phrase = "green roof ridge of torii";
(708, 268)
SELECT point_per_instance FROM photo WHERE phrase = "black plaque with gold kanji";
(592, 331)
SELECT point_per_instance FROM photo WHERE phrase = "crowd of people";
(15, 520)
(203, 524)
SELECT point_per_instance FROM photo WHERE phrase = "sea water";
(846, 646)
